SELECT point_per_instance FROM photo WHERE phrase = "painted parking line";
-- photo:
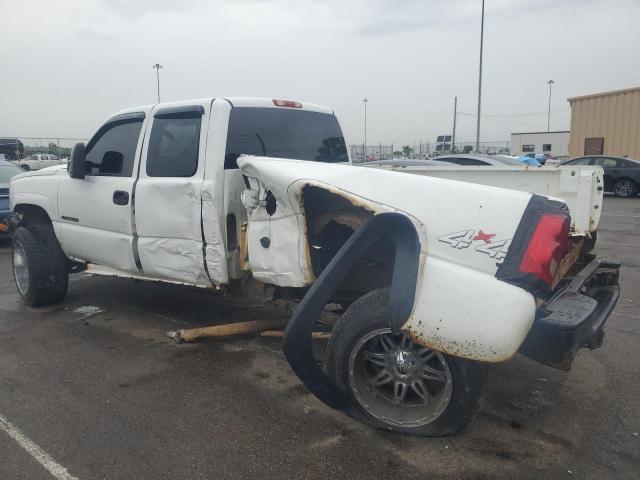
(42, 457)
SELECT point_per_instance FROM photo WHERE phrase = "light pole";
(550, 82)
(455, 114)
(480, 81)
(157, 68)
(364, 146)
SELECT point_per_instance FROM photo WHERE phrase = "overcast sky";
(67, 65)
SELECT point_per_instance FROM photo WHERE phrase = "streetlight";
(157, 68)
(480, 81)
(550, 82)
(364, 146)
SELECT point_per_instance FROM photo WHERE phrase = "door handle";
(120, 197)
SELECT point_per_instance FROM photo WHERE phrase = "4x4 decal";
(482, 242)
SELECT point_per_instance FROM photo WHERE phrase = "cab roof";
(240, 102)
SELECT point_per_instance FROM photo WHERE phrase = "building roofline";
(532, 133)
(603, 94)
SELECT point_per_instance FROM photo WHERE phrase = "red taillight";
(547, 247)
(287, 103)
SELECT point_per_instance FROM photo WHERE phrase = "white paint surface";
(43, 458)
(460, 307)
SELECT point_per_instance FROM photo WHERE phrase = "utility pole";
(455, 115)
(157, 68)
(364, 145)
(550, 82)
(480, 81)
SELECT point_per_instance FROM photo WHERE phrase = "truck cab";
(165, 186)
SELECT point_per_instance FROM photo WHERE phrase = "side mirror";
(77, 166)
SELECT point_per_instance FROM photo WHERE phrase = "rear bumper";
(575, 316)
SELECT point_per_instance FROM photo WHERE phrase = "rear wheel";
(395, 384)
(625, 188)
(40, 269)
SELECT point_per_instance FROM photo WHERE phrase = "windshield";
(7, 172)
(284, 133)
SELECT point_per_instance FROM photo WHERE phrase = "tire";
(452, 401)
(625, 188)
(40, 269)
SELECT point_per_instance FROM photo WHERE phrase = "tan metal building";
(606, 123)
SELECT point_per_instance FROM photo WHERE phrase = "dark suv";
(621, 175)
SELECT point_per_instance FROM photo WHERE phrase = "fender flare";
(297, 338)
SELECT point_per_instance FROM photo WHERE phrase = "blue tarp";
(530, 161)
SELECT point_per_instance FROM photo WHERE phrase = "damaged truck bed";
(433, 278)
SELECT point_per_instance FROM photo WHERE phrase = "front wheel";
(396, 384)
(40, 269)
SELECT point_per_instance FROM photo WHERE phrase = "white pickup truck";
(38, 161)
(437, 277)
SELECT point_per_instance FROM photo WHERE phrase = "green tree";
(407, 151)
(53, 148)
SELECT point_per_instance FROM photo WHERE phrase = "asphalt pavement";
(93, 389)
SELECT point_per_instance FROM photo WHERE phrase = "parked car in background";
(621, 175)
(478, 160)
(403, 162)
(7, 172)
(38, 161)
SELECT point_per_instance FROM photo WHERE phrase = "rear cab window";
(284, 133)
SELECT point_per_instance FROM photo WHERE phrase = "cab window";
(112, 151)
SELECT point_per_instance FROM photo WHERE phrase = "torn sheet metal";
(460, 307)
(276, 238)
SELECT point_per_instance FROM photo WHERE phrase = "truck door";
(96, 213)
(168, 196)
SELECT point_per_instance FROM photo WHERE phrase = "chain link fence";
(361, 154)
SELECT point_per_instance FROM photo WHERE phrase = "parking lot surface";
(95, 386)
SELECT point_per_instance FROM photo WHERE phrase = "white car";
(38, 161)
(437, 277)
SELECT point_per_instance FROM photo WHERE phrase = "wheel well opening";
(331, 219)
(32, 215)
